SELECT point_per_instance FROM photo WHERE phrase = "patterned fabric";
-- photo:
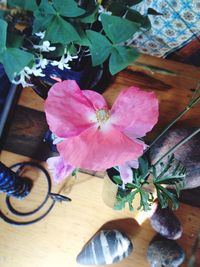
(178, 25)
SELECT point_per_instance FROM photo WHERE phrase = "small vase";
(111, 190)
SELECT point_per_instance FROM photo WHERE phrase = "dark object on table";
(165, 253)
(8, 97)
(166, 223)
(49, 138)
(12, 184)
(106, 247)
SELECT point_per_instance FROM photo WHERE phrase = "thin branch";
(191, 104)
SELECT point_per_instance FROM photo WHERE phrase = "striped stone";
(106, 247)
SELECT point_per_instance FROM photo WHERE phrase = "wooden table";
(57, 239)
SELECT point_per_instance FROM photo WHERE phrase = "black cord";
(49, 196)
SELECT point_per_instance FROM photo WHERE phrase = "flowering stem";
(192, 103)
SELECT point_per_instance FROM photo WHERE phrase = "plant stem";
(174, 148)
(192, 103)
(194, 250)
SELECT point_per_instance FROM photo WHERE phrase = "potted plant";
(57, 40)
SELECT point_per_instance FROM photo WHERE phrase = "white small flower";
(41, 62)
(63, 63)
(24, 75)
(35, 71)
(40, 34)
(21, 79)
(69, 57)
(45, 47)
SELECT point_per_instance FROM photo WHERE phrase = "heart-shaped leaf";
(121, 57)
(14, 60)
(29, 5)
(68, 8)
(118, 29)
(3, 31)
(61, 31)
(100, 47)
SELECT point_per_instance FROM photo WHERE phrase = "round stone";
(165, 253)
(166, 223)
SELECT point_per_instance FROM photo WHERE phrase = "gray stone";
(166, 223)
(165, 253)
(106, 247)
(188, 154)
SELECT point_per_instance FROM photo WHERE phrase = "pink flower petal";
(95, 99)
(68, 111)
(132, 137)
(135, 111)
(126, 172)
(60, 169)
(133, 164)
(99, 149)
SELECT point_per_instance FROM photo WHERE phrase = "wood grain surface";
(57, 239)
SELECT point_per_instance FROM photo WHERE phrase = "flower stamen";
(102, 116)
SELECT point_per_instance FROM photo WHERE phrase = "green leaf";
(91, 18)
(45, 8)
(14, 39)
(68, 8)
(100, 47)
(126, 197)
(84, 41)
(3, 31)
(170, 173)
(74, 173)
(29, 5)
(14, 60)
(117, 7)
(118, 29)
(120, 58)
(117, 179)
(43, 16)
(136, 17)
(145, 200)
(143, 166)
(1, 58)
(4, 13)
(61, 31)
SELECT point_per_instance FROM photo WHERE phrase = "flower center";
(102, 115)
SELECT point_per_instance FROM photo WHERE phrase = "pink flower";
(96, 137)
(60, 169)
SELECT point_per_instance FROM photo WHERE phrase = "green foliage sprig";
(165, 174)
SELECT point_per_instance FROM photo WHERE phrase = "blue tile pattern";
(177, 26)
